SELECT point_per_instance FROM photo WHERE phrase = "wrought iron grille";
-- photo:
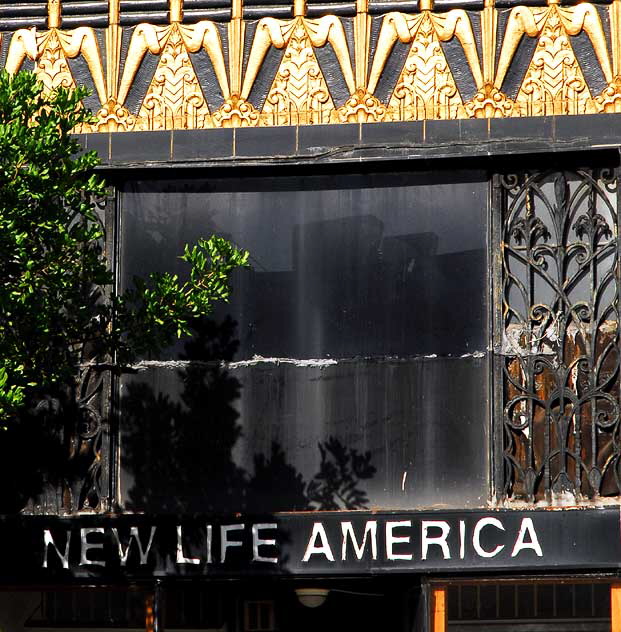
(557, 330)
(72, 468)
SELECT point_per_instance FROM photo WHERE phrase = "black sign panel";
(311, 544)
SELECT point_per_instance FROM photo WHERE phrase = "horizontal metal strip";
(407, 6)
(10, 24)
(217, 15)
(268, 3)
(143, 5)
(340, 9)
(190, 5)
(15, 11)
(151, 17)
(256, 13)
(468, 5)
(74, 21)
(85, 8)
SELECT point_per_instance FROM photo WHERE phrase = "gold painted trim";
(417, 66)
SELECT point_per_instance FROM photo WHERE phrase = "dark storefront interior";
(367, 605)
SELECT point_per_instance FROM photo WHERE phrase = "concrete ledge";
(357, 142)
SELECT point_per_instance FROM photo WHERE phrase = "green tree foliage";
(52, 266)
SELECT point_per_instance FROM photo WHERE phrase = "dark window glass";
(356, 342)
(530, 607)
(341, 267)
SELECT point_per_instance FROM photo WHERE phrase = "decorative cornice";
(427, 65)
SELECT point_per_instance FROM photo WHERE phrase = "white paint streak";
(405, 475)
(257, 360)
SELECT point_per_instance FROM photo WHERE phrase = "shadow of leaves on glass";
(179, 445)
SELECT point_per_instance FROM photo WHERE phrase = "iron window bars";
(557, 335)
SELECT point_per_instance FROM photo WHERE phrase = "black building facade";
(407, 418)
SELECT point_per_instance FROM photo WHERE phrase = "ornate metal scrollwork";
(559, 283)
(86, 488)
(70, 427)
(88, 457)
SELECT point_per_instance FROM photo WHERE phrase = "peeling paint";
(517, 341)
(257, 360)
(573, 503)
(474, 354)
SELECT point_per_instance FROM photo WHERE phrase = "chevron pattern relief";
(554, 83)
(174, 99)
(426, 88)
(303, 71)
(299, 93)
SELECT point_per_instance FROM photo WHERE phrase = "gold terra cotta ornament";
(554, 81)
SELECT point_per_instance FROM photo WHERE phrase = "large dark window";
(349, 369)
